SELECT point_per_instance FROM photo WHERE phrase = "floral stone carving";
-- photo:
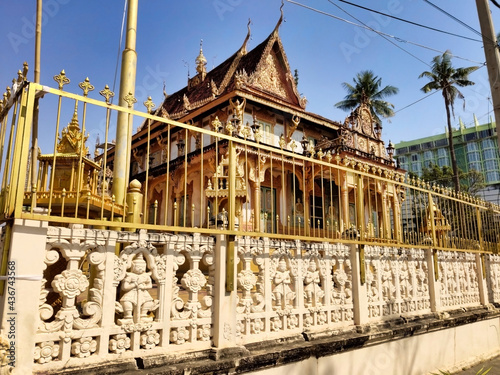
(70, 283)
(83, 347)
(150, 339)
(46, 351)
(119, 343)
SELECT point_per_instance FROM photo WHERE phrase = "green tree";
(445, 78)
(471, 182)
(368, 89)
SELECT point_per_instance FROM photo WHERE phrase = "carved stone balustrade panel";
(396, 281)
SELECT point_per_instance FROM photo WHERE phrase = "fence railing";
(247, 237)
(231, 176)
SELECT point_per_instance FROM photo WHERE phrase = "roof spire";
(243, 49)
(281, 17)
(201, 62)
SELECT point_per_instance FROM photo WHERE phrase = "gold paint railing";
(195, 178)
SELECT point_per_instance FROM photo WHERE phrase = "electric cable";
(459, 21)
(383, 36)
(410, 22)
(119, 47)
(380, 32)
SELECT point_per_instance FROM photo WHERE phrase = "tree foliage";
(445, 78)
(368, 89)
(471, 182)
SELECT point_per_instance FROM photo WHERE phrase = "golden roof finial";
(201, 61)
(281, 17)
(243, 49)
(74, 125)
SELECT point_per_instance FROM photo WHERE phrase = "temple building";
(253, 95)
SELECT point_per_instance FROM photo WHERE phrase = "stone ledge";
(271, 353)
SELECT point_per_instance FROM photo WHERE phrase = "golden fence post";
(479, 229)
(20, 160)
(360, 208)
(63, 195)
(230, 260)
(192, 215)
(156, 211)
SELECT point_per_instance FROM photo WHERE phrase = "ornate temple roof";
(263, 71)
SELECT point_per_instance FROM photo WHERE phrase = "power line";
(380, 32)
(459, 21)
(495, 3)
(410, 22)
(415, 102)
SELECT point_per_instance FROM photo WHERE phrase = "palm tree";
(367, 88)
(443, 76)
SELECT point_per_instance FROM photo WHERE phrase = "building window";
(488, 143)
(472, 146)
(414, 157)
(443, 161)
(493, 176)
(475, 165)
(429, 155)
(441, 142)
(442, 152)
(473, 156)
(267, 132)
(490, 154)
(491, 165)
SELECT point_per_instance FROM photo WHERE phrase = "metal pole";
(34, 139)
(121, 166)
(492, 57)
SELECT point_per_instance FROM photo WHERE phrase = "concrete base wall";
(449, 349)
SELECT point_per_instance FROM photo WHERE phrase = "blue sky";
(82, 37)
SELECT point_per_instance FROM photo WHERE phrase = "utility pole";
(121, 166)
(492, 57)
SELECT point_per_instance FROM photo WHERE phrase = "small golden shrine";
(441, 225)
(70, 177)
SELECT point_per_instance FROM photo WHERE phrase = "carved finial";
(61, 79)
(149, 104)
(201, 62)
(107, 93)
(243, 49)
(86, 86)
(25, 70)
(281, 17)
(130, 99)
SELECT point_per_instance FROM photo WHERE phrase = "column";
(434, 285)
(224, 324)
(359, 293)
(22, 316)
(481, 279)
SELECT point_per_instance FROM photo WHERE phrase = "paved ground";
(493, 363)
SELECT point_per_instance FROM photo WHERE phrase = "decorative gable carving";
(267, 77)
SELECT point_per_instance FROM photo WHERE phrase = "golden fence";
(211, 176)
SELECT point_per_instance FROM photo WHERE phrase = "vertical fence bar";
(167, 175)
(20, 162)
